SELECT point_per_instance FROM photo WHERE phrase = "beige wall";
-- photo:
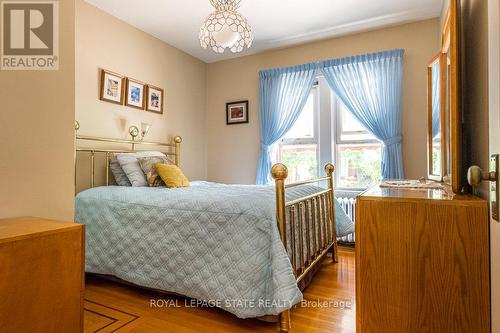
(37, 110)
(103, 41)
(233, 150)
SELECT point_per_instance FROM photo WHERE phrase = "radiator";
(348, 205)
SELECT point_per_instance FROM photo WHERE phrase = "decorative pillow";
(172, 175)
(118, 173)
(131, 167)
(148, 167)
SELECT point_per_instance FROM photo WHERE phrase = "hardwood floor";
(112, 307)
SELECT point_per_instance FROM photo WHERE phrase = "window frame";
(326, 137)
(315, 139)
(336, 109)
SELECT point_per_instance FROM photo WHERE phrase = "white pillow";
(118, 173)
(131, 167)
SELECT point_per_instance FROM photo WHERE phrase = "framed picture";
(154, 99)
(111, 87)
(237, 112)
(134, 91)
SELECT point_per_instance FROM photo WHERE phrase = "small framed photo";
(237, 113)
(154, 99)
(111, 87)
(134, 91)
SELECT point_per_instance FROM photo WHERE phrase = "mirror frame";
(451, 44)
(441, 59)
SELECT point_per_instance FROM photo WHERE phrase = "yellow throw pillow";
(172, 175)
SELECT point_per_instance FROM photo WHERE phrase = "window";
(357, 151)
(299, 148)
(325, 132)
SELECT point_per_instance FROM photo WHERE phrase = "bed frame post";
(285, 321)
(177, 143)
(279, 173)
(329, 168)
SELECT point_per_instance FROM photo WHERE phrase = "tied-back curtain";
(370, 87)
(435, 100)
(283, 94)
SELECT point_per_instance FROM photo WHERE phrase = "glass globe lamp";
(225, 28)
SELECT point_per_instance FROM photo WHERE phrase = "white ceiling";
(276, 23)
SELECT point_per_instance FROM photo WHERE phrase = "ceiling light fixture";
(226, 28)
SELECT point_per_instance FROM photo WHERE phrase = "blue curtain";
(436, 115)
(370, 86)
(283, 94)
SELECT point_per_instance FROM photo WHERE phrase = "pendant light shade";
(225, 28)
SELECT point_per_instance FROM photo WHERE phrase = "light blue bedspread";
(211, 242)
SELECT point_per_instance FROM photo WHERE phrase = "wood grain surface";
(422, 264)
(41, 284)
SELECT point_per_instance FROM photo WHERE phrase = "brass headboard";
(169, 149)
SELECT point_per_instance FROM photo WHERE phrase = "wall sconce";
(145, 129)
(134, 130)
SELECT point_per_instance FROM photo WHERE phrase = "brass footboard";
(311, 226)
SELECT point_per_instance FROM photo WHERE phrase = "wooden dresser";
(422, 262)
(41, 276)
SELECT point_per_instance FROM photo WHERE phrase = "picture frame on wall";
(154, 99)
(135, 93)
(237, 113)
(111, 89)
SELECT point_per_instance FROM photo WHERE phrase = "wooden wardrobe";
(422, 262)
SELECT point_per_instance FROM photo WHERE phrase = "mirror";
(452, 115)
(447, 118)
(436, 116)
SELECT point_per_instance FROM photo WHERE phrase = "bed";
(247, 248)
